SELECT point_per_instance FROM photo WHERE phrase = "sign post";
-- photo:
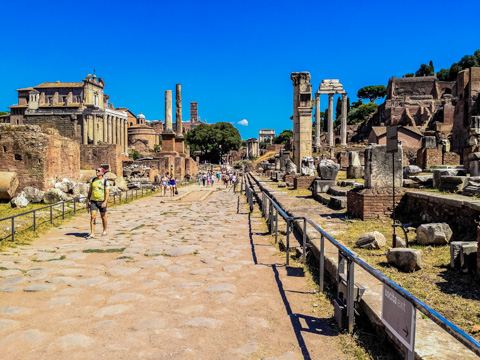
(398, 315)
(392, 147)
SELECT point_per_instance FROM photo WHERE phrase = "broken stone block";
(371, 240)
(411, 170)
(474, 163)
(422, 179)
(33, 195)
(434, 234)
(468, 258)
(8, 184)
(327, 169)
(80, 190)
(429, 142)
(19, 201)
(121, 183)
(406, 259)
(322, 186)
(308, 167)
(353, 159)
(455, 248)
(453, 183)
(337, 202)
(438, 173)
(53, 196)
(65, 185)
(355, 172)
(400, 243)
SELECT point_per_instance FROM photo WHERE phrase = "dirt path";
(194, 278)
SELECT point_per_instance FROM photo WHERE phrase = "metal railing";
(270, 210)
(114, 197)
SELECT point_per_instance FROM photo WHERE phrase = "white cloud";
(243, 122)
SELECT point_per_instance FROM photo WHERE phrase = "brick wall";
(38, 158)
(95, 155)
(168, 142)
(62, 123)
(429, 157)
(191, 167)
(370, 204)
(451, 158)
(179, 168)
(289, 178)
(303, 182)
(275, 147)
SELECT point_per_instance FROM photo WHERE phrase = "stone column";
(122, 145)
(119, 135)
(317, 121)
(343, 129)
(178, 109)
(114, 130)
(85, 130)
(125, 135)
(95, 130)
(302, 116)
(105, 128)
(109, 129)
(330, 120)
(168, 110)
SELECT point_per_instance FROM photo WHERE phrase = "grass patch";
(138, 227)
(6, 209)
(103, 251)
(125, 258)
(449, 292)
(3, 268)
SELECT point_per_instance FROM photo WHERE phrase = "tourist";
(173, 185)
(97, 199)
(164, 184)
(208, 179)
(218, 177)
(234, 181)
(199, 180)
(204, 178)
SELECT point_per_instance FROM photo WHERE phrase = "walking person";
(97, 200)
(164, 183)
(173, 185)
(204, 178)
(212, 179)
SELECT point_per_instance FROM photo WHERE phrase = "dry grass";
(290, 191)
(6, 209)
(266, 156)
(454, 295)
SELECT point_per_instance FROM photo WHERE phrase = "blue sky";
(233, 58)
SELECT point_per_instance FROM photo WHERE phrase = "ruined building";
(77, 110)
(448, 109)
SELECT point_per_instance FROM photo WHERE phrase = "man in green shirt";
(97, 199)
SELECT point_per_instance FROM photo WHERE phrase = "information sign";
(392, 139)
(398, 315)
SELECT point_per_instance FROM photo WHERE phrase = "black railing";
(270, 210)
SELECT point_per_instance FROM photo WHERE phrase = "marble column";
(330, 120)
(109, 129)
(317, 121)
(168, 110)
(114, 130)
(343, 129)
(85, 130)
(95, 130)
(178, 109)
(119, 137)
(125, 135)
(105, 128)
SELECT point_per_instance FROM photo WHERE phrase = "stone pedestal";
(168, 141)
(322, 186)
(179, 143)
(303, 182)
(379, 167)
(355, 172)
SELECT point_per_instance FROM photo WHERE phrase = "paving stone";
(211, 262)
(8, 273)
(71, 341)
(111, 310)
(189, 285)
(181, 250)
(97, 280)
(61, 280)
(221, 287)
(70, 272)
(62, 300)
(232, 268)
(10, 289)
(14, 280)
(176, 269)
(116, 285)
(202, 322)
(28, 338)
(38, 272)
(150, 324)
(10, 310)
(191, 309)
(77, 256)
(47, 256)
(202, 271)
(123, 271)
(124, 297)
(249, 348)
(7, 325)
(39, 287)
(69, 291)
(285, 356)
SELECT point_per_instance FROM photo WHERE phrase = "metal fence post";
(34, 221)
(13, 229)
(74, 206)
(288, 242)
(51, 214)
(304, 240)
(322, 264)
(276, 225)
(350, 289)
(63, 210)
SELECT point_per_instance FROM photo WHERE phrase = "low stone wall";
(429, 157)
(370, 204)
(303, 182)
(289, 178)
(459, 212)
(451, 158)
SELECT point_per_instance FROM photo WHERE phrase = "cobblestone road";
(187, 278)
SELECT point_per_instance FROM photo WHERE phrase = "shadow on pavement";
(82, 235)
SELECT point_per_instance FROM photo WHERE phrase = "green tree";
(283, 137)
(134, 154)
(443, 75)
(4, 113)
(409, 75)
(361, 113)
(372, 92)
(213, 140)
(425, 70)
